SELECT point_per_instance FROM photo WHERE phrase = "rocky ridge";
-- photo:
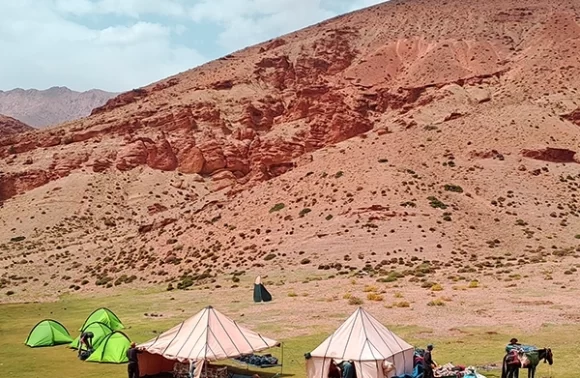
(11, 126)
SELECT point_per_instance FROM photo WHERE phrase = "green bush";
(186, 281)
(277, 207)
(270, 256)
(453, 188)
(436, 204)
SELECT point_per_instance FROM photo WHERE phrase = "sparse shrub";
(383, 160)
(277, 207)
(437, 287)
(186, 281)
(401, 304)
(170, 287)
(391, 277)
(17, 239)
(398, 295)
(347, 296)
(473, 284)
(305, 261)
(370, 288)
(339, 174)
(577, 236)
(10, 293)
(236, 279)
(270, 256)
(304, 211)
(436, 302)
(328, 217)
(292, 294)
(453, 188)
(355, 301)
(436, 204)
(104, 280)
(374, 297)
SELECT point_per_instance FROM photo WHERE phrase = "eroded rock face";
(554, 155)
(12, 184)
(251, 116)
(574, 116)
(132, 156)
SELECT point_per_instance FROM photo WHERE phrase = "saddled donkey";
(516, 360)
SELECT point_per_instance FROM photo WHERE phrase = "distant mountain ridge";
(40, 108)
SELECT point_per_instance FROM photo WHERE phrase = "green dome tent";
(104, 315)
(48, 333)
(99, 330)
(113, 349)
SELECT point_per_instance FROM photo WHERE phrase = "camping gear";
(207, 336)
(48, 332)
(113, 349)
(522, 348)
(470, 372)
(99, 330)
(104, 315)
(365, 341)
(83, 355)
(260, 292)
(265, 361)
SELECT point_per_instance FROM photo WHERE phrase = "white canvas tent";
(368, 343)
(207, 336)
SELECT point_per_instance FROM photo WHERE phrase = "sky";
(118, 45)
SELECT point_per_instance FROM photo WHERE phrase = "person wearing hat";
(512, 345)
(133, 366)
(428, 364)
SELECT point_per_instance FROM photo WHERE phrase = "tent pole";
(282, 364)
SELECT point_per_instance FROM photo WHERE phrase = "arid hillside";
(11, 126)
(415, 142)
(51, 106)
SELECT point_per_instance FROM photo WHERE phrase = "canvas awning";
(207, 336)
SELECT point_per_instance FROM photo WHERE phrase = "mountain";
(51, 106)
(11, 126)
(416, 142)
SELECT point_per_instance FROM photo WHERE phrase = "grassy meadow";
(466, 346)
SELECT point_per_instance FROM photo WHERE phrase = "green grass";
(468, 346)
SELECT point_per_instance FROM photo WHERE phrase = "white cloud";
(43, 49)
(130, 8)
(131, 43)
(134, 34)
(246, 22)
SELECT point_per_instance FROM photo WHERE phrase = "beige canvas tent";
(207, 336)
(369, 344)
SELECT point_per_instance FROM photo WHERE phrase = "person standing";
(347, 369)
(428, 363)
(133, 367)
(86, 339)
